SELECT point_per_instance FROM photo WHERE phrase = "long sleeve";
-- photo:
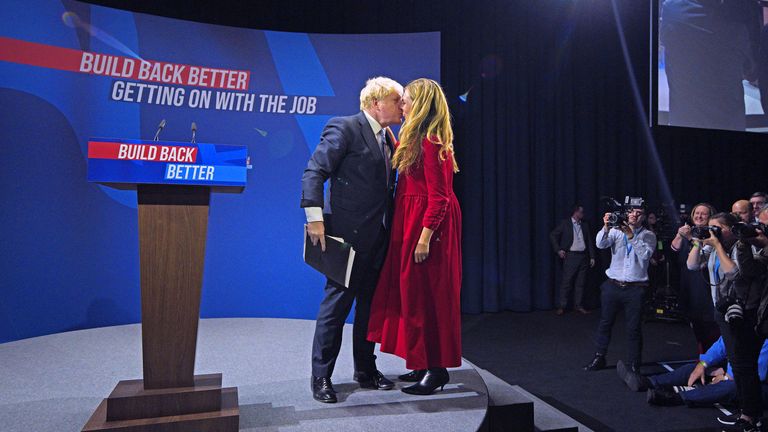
(762, 362)
(604, 239)
(438, 192)
(327, 156)
(749, 265)
(644, 245)
(554, 237)
(716, 354)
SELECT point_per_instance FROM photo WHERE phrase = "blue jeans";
(723, 392)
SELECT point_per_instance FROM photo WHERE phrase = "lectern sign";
(162, 162)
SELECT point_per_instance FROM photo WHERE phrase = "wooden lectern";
(173, 182)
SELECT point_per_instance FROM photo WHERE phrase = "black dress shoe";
(322, 390)
(433, 378)
(632, 378)
(597, 363)
(413, 376)
(373, 380)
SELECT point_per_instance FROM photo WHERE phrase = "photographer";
(715, 248)
(693, 293)
(631, 249)
(742, 315)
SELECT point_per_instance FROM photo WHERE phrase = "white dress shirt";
(578, 244)
(629, 258)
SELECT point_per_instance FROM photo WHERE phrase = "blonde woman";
(415, 312)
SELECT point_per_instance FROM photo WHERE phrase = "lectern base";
(206, 407)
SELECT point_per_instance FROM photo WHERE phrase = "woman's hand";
(421, 253)
(712, 241)
(685, 232)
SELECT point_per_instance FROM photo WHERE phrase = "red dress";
(416, 311)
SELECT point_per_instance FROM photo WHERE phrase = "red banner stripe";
(52, 57)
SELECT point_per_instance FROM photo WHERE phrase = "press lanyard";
(626, 241)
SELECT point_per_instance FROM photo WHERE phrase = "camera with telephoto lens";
(748, 230)
(704, 232)
(619, 211)
(732, 310)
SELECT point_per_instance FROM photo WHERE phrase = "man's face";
(388, 111)
(757, 204)
(635, 217)
(763, 219)
(741, 209)
(578, 214)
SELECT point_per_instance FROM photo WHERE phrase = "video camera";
(619, 211)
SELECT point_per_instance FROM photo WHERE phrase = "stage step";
(512, 408)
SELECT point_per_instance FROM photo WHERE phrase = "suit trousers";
(335, 308)
(575, 267)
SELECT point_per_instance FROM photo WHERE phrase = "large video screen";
(712, 64)
(70, 71)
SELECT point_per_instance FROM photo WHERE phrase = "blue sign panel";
(163, 162)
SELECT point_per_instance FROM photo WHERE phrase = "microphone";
(194, 131)
(159, 128)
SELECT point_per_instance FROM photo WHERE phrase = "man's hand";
(591, 262)
(606, 218)
(697, 375)
(561, 254)
(316, 231)
(421, 253)
(627, 230)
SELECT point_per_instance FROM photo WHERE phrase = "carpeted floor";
(545, 354)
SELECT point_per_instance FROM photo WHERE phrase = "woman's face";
(701, 215)
(652, 219)
(407, 103)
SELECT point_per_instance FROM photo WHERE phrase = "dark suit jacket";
(350, 157)
(562, 237)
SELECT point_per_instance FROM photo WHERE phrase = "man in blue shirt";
(687, 384)
(631, 249)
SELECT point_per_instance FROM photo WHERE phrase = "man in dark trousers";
(573, 242)
(354, 153)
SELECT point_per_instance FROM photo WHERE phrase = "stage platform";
(53, 383)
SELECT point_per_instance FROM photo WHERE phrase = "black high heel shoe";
(413, 376)
(433, 378)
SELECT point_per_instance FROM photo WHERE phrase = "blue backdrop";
(69, 250)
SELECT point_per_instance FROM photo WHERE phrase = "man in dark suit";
(355, 155)
(573, 242)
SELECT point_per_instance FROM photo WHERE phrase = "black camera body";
(619, 211)
(748, 230)
(704, 232)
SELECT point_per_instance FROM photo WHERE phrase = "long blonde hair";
(429, 118)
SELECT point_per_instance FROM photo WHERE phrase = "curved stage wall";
(70, 71)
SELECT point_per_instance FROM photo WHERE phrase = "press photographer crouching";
(736, 287)
(631, 249)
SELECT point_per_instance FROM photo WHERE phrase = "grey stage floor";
(53, 383)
